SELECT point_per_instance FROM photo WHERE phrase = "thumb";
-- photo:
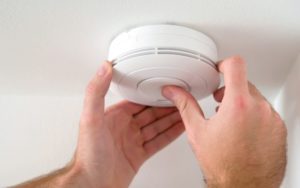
(95, 92)
(191, 113)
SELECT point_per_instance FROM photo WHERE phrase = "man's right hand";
(244, 144)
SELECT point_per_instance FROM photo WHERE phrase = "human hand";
(113, 144)
(244, 143)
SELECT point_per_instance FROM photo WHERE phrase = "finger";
(160, 125)
(151, 114)
(219, 94)
(187, 105)
(130, 107)
(235, 78)
(163, 139)
(255, 92)
(96, 91)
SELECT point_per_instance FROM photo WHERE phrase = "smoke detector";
(149, 57)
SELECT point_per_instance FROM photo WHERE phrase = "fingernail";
(102, 70)
(168, 93)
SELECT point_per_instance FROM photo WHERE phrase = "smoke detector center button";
(152, 87)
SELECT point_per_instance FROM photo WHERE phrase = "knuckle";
(252, 88)
(264, 107)
(88, 120)
(182, 104)
(90, 88)
(263, 110)
(254, 91)
(241, 103)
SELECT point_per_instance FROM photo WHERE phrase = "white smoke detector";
(149, 57)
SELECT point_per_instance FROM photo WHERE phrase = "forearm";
(69, 176)
(234, 184)
(244, 181)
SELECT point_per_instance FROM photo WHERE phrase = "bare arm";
(113, 143)
(67, 177)
(244, 143)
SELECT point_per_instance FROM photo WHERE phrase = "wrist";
(71, 176)
(75, 176)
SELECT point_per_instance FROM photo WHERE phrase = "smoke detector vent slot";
(178, 53)
(178, 49)
(134, 53)
(165, 51)
(149, 57)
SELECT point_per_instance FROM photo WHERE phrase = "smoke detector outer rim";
(170, 52)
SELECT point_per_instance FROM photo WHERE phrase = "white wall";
(39, 133)
(288, 105)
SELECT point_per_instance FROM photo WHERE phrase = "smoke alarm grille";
(164, 51)
(147, 58)
(134, 53)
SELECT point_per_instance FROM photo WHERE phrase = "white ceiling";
(53, 47)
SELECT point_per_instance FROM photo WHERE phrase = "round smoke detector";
(149, 57)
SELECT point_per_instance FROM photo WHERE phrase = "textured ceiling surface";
(53, 47)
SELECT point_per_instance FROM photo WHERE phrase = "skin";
(242, 145)
(113, 143)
